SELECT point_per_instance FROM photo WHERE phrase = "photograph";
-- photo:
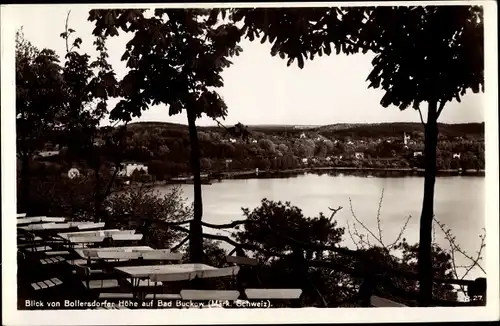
(250, 158)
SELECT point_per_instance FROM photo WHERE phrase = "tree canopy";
(175, 58)
(39, 96)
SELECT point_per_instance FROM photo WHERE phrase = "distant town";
(160, 151)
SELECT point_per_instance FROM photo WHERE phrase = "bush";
(137, 207)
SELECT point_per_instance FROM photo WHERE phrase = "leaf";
(77, 42)
(328, 49)
(300, 61)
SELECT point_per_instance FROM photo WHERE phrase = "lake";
(459, 203)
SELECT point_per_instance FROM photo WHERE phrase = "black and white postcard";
(249, 163)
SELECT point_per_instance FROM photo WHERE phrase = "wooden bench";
(27, 238)
(38, 249)
(101, 284)
(150, 296)
(126, 237)
(86, 271)
(75, 246)
(52, 260)
(53, 253)
(145, 255)
(376, 301)
(46, 284)
(118, 255)
(221, 272)
(210, 295)
(144, 283)
(163, 296)
(86, 240)
(279, 294)
(161, 255)
(117, 296)
(77, 262)
(88, 226)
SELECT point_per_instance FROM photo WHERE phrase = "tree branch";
(378, 215)
(66, 30)
(367, 229)
(441, 107)
(334, 212)
(421, 117)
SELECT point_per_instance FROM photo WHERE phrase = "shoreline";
(210, 178)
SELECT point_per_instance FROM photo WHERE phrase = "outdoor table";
(90, 226)
(34, 227)
(67, 235)
(56, 226)
(157, 255)
(38, 219)
(86, 239)
(28, 220)
(171, 273)
(92, 252)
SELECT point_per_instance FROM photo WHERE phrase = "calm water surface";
(459, 203)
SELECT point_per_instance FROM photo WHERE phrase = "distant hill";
(393, 128)
(339, 130)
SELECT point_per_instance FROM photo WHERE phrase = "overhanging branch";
(441, 107)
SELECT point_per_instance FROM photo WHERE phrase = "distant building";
(328, 159)
(232, 140)
(359, 155)
(304, 160)
(418, 153)
(129, 169)
(302, 135)
(254, 141)
(73, 173)
(406, 138)
(48, 153)
(456, 155)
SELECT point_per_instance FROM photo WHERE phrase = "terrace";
(113, 265)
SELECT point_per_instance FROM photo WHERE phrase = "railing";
(368, 271)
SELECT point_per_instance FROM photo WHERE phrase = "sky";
(259, 88)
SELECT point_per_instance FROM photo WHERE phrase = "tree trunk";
(425, 244)
(97, 189)
(196, 231)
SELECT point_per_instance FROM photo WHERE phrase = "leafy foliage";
(136, 204)
(271, 227)
(39, 96)
(174, 58)
(271, 217)
(422, 53)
